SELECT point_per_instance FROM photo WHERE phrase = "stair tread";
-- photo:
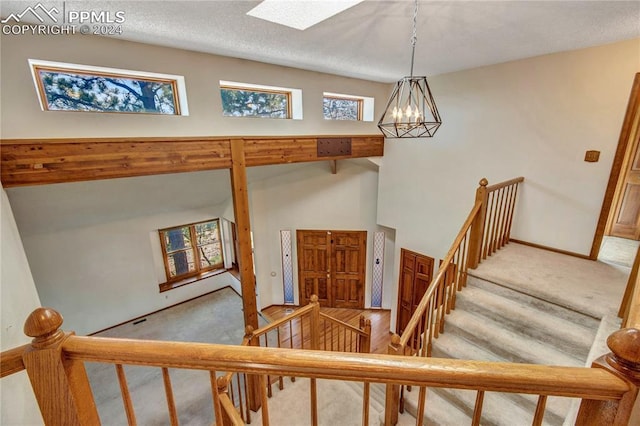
(566, 335)
(507, 343)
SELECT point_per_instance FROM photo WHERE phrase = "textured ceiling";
(372, 40)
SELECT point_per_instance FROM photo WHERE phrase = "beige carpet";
(591, 287)
(620, 251)
(338, 405)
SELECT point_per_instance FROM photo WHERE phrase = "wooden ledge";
(170, 285)
(45, 161)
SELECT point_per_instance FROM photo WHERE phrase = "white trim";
(367, 103)
(180, 83)
(296, 94)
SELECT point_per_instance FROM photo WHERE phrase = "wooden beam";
(44, 161)
(242, 219)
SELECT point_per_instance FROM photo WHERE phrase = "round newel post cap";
(625, 348)
(43, 325)
(395, 340)
(483, 182)
(313, 298)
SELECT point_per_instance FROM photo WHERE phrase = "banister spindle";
(623, 361)
(61, 389)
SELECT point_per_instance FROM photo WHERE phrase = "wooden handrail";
(233, 416)
(422, 306)
(277, 323)
(504, 184)
(432, 372)
(11, 360)
(349, 327)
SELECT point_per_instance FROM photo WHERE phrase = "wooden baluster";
(497, 221)
(496, 212)
(315, 323)
(422, 399)
(314, 402)
(240, 404)
(392, 394)
(477, 226)
(540, 407)
(507, 210)
(265, 401)
(477, 410)
(511, 211)
(365, 404)
(442, 301)
(266, 345)
(431, 331)
(365, 341)
(465, 262)
(246, 393)
(623, 361)
(126, 396)
(168, 390)
(487, 229)
(61, 388)
(217, 408)
(280, 378)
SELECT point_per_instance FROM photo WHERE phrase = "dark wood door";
(416, 273)
(626, 220)
(314, 256)
(331, 264)
(349, 252)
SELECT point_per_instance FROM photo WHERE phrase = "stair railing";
(304, 328)
(486, 229)
(55, 364)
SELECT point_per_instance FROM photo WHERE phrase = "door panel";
(626, 221)
(349, 255)
(331, 264)
(415, 276)
(314, 249)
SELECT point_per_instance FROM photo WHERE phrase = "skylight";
(300, 14)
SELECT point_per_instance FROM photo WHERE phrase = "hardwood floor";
(380, 322)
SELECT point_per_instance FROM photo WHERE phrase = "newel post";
(477, 227)
(623, 361)
(365, 341)
(392, 398)
(60, 385)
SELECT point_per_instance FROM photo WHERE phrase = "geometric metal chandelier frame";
(411, 111)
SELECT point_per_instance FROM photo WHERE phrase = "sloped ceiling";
(372, 39)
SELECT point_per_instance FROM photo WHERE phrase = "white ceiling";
(372, 39)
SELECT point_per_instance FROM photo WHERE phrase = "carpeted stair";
(494, 323)
(490, 322)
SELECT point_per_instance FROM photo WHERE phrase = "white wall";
(533, 118)
(310, 198)
(23, 118)
(19, 298)
(108, 273)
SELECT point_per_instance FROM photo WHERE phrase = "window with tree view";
(336, 108)
(250, 102)
(78, 89)
(190, 250)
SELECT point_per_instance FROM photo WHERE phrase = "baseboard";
(555, 250)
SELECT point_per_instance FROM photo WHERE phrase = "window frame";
(286, 93)
(177, 83)
(360, 102)
(199, 271)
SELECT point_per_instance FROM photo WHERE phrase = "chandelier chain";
(414, 36)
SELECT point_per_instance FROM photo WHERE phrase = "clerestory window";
(337, 106)
(252, 100)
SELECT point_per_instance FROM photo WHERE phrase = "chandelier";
(411, 111)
